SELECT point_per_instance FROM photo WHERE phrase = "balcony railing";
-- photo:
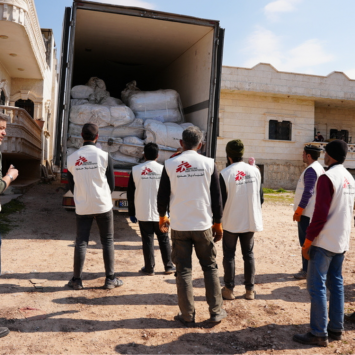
(23, 135)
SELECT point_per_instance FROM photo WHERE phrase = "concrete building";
(28, 89)
(276, 113)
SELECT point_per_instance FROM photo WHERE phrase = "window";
(280, 130)
(343, 134)
(2, 100)
(28, 105)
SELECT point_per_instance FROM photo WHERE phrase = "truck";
(158, 50)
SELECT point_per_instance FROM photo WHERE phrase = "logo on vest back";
(240, 175)
(346, 183)
(80, 161)
(183, 166)
(146, 171)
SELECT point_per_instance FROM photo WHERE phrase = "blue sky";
(302, 36)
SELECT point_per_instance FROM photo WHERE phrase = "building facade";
(276, 113)
(28, 88)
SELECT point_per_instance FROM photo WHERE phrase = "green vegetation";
(6, 224)
(271, 191)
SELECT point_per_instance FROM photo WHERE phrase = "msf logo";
(240, 175)
(183, 166)
(80, 161)
(346, 183)
(146, 171)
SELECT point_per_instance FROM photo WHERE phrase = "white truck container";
(159, 50)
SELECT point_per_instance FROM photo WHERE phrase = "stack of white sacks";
(151, 116)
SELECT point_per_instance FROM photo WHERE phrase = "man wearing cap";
(91, 179)
(189, 184)
(305, 197)
(327, 240)
(242, 198)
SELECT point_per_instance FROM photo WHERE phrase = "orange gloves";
(164, 223)
(298, 213)
(305, 248)
(217, 232)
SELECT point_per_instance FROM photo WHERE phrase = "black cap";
(313, 148)
(337, 150)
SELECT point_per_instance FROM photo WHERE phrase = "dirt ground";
(47, 317)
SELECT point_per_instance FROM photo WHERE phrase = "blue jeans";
(325, 271)
(302, 228)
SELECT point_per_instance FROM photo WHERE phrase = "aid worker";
(142, 194)
(327, 240)
(242, 197)
(305, 197)
(91, 179)
(189, 183)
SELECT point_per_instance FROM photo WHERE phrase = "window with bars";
(280, 130)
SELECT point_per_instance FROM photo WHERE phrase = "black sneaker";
(4, 331)
(190, 324)
(76, 284)
(310, 339)
(110, 284)
(145, 272)
(334, 335)
(170, 270)
(217, 318)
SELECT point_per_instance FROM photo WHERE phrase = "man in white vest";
(242, 198)
(305, 197)
(91, 179)
(142, 194)
(189, 184)
(5, 182)
(327, 240)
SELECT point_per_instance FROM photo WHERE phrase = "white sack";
(186, 125)
(123, 158)
(81, 92)
(98, 96)
(173, 115)
(105, 131)
(121, 115)
(132, 151)
(70, 151)
(75, 142)
(75, 129)
(130, 88)
(97, 114)
(111, 148)
(96, 83)
(153, 100)
(168, 134)
(111, 101)
(133, 129)
(75, 102)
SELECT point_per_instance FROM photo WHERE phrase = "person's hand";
(298, 213)
(164, 223)
(217, 232)
(133, 219)
(12, 172)
(305, 249)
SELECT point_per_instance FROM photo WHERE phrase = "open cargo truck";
(159, 50)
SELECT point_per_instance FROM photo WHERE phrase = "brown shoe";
(227, 294)
(249, 295)
(310, 339)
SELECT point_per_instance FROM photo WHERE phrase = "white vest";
(92, 193)
(190, 199)
(335, 234)
(242, 211)
(146, 177)
(308, 211)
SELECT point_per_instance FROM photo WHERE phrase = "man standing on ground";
(5, 182)
(91, 179)
(189, 183)
(327, 240)
(305, 198)
(142, 194)
(242, 198)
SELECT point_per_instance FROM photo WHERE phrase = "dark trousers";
(183, 242)
(147, 231)
(302, 228)
(229, 247)
(83, 226)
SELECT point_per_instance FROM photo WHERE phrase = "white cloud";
(273, 9)
(350, 73)
(134, 3)
(266, 47)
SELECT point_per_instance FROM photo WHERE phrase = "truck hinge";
(72, 23)
(217, 41)
(67, 65)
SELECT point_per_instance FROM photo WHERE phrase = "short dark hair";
(151, 151)
(192, 137)
(89, 131)
(314, 155)
(236, 159)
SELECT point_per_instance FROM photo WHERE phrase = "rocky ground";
(47, 317)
